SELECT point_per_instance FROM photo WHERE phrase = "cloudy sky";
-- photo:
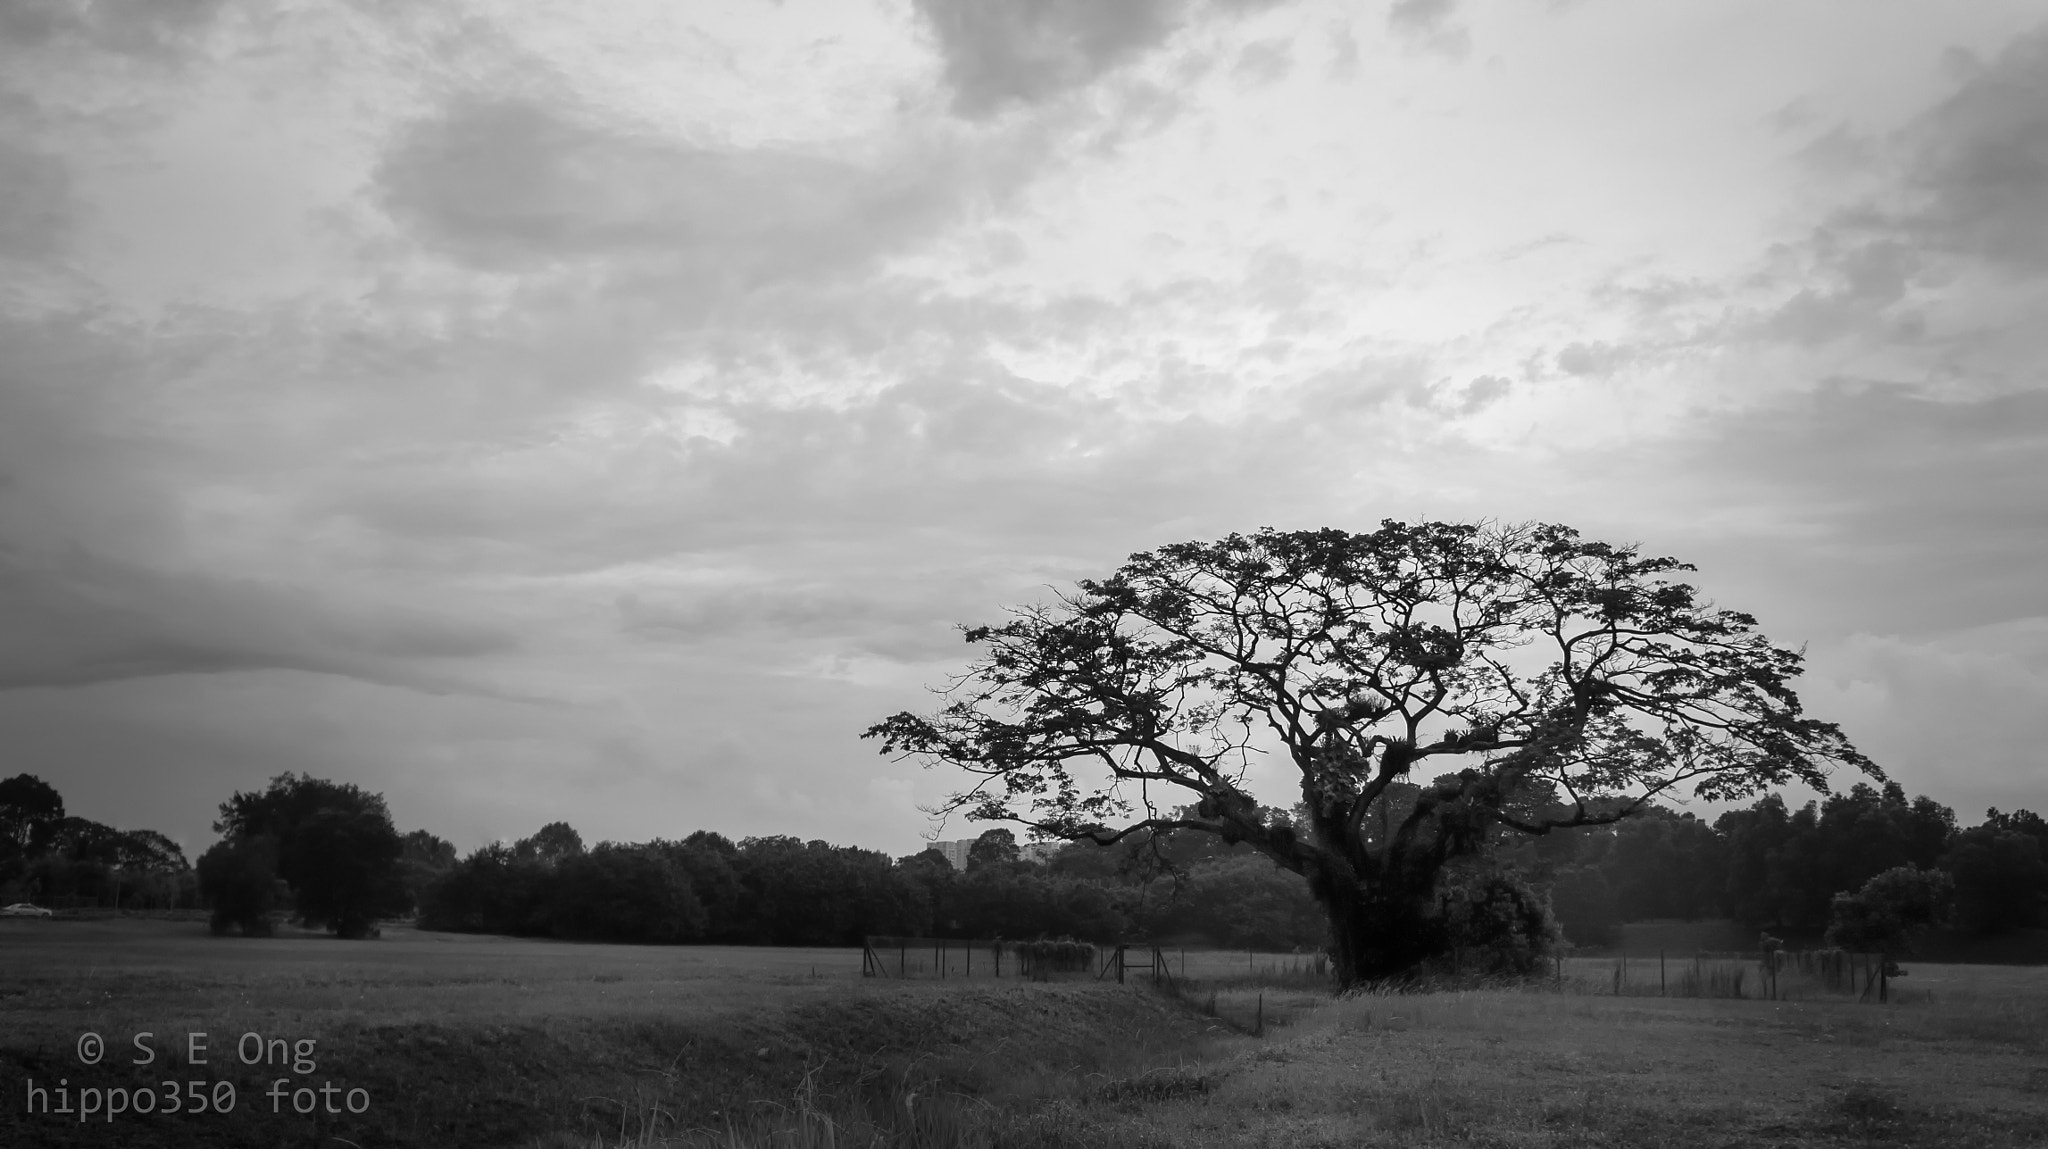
(605, 411)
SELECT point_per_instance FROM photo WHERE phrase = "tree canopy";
(331, 843)
(27, 806)
(1541, 681)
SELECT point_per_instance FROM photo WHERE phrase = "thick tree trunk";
(1382, 927)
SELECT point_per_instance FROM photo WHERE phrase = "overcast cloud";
(606, 414)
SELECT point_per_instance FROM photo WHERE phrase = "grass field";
(485, 1041)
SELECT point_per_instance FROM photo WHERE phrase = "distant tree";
(2001, 879)
(815, 893)
(1667, 864)
(624, 894)
(1241, 901)
(1773, 853)
(493, 890)
(149, 851)
(334, 847)
(1785, 868)
(2018, 822)
(929, 859)
(1890, 912)
(27, 805)
(1085, 858)
(49, 855)
(1584, 906)
(551, 844)
(425, 858)
(429, 851)
(993, 848)
(710, 861)
(238, 879)
(1522, 659)
(83, 840)
(342, 865)
(713, 841)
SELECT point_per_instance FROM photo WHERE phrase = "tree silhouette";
(28, 805)
(333, 845)
(1541, 680)
(551, 844)
(1891, 910)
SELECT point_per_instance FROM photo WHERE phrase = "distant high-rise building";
(955, 852)
(1039, 851)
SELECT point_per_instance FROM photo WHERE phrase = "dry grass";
(1959, 1063)
(484, 1041)
(469, 1041)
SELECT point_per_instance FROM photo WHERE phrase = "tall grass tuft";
(881, 1111)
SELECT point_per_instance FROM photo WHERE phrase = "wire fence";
(905, 957)
(956, 958)
(1768, 975)
(1772, 975)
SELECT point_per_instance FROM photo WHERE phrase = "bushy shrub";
(1891, 910)
(1055, 955)
(1495, 922)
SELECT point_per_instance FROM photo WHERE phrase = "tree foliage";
(1785, 866)
(1540, 680)
(624, 894)
(1891, 910)
(332, 844)
(27, 805)
(2000, 875)
(238, 879)
(551, 844)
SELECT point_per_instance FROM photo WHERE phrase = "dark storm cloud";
(103, 570)
(83, 618)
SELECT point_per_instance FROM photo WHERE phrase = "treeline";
(784, 891)
(328, 854)
(53, 859)
(1780, 870)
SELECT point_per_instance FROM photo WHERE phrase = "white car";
(23, 910)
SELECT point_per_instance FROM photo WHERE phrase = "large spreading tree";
(332, 844)
(1433, 686)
